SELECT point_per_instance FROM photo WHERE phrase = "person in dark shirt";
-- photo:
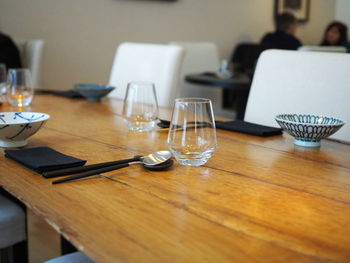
(283, 37)
(336, 34)
(9, 53)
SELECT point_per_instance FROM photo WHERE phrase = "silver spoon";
(150, 159)
(156, 158)
(160, 160)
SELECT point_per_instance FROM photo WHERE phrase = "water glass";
(2, 82)
(20, 89)
(192, 133)
(140, 109)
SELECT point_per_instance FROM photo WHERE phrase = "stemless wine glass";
(2, 81)
(140, 109)
(192, 134)
(20, 89)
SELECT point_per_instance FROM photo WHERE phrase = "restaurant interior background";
(82, 35)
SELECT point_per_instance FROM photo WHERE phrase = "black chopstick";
(90, 173)
(79, 169)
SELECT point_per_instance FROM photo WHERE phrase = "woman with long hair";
(336, 34)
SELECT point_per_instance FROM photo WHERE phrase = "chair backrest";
(300, 82)
(155, 63)
(32, 53)
(245, 56)
(199, 57)
(323, 49)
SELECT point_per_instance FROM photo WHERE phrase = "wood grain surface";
(256, 200)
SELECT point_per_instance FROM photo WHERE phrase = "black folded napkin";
(63, 93)
(248, 128)
(238, 126)
(43, 159)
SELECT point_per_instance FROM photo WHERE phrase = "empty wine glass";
(2, 81)
(20, 89)
(140, 109)
(192, 134)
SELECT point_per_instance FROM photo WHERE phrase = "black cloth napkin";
(62, 93)
(43, 159)
(248, 128)
(238, 126)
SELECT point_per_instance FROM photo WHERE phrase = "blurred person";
(336, 34)
(283, 37)
(9, 53)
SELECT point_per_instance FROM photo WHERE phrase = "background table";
(256, 200)
(236, 88)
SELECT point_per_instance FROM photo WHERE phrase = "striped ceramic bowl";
(308, 130)
(17, 127)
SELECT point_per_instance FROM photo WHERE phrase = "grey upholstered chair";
(12, 230)
(76, 257)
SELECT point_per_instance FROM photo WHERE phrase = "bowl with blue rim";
(307, 129)
(17, 127)
(93, 92)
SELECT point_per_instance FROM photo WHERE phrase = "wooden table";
(256, 200)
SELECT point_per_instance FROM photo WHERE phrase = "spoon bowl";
(156, 158)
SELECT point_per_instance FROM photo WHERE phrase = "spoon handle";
(90, 173)
(79, 169)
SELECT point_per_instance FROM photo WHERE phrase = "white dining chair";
(145, 62)
(12, 228)
(76, 257)
(32, 54)
(323, 49)
(200, 57)
(300, 82)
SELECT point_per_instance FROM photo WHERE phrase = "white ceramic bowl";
(16, 127)
(308, 129)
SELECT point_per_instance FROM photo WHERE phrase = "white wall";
(82, 35)
(343, 11)
(322, 13)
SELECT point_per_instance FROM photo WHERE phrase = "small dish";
(308, 130)
(93, 92)
(17, 127)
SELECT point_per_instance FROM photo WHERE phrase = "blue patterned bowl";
(16, 127)
(93, 92)
(308, 130)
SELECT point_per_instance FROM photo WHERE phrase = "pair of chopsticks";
(87, 170)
